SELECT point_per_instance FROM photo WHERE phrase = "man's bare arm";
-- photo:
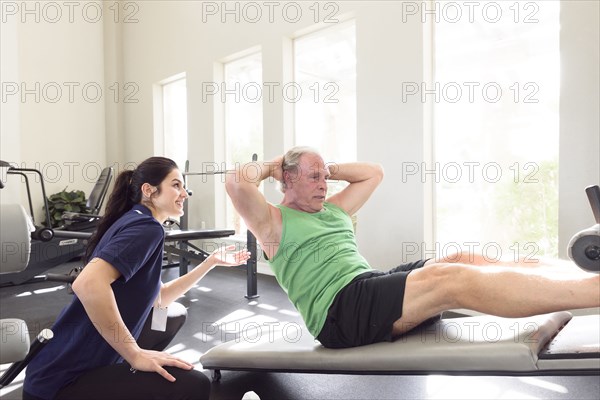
(242, 187)
(363, 178)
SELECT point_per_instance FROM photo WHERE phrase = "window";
(325, 95)
(495, 94)
(242, 94)
(174, 120)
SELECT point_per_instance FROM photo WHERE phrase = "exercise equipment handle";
(3, 164)
(593, 193)
(72, 234)
(15, 369)
(60, 278)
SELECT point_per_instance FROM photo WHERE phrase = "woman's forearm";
(225, 256)
(176, 288)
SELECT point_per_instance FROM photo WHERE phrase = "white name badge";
(159, 318)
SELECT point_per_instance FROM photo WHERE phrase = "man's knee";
(447, 282)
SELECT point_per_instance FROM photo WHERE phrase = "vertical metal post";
(251, 278)
(183, 225)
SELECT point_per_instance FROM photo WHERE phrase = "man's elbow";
(378, 172)
(232, 182)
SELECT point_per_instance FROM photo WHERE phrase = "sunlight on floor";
(190, 355)
(203, 337)
(14, 385)
(41, 291)
(175, 348)
(544, 384)
(290, 313)
(243, 325)
(49, 290)
(267, 307)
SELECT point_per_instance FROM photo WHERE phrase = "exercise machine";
(50, 246)
(584, 247)
(15, 345)
(551, 344)
(77, 221)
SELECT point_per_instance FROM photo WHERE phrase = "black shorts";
(365, 310)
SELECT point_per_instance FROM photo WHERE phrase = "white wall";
(114, 133)
(169, 40)
(390, 130)
(55, 122)
(579, 117)
(164, 38)
(10, 142)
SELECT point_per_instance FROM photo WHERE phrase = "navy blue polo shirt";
(134, 246)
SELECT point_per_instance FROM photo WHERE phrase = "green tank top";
(316, 258)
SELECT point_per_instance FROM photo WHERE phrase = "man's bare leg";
(550, 265)
(504, 291)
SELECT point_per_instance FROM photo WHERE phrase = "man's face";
(309, 183)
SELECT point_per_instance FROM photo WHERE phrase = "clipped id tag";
(159, 318)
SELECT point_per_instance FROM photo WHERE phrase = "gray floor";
(218, 311)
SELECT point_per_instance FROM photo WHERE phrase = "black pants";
(118, 382)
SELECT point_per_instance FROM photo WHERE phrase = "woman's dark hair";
(127, 192)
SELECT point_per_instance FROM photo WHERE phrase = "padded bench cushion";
(15, 234)
(577, 346)
(15, 340)
(476, 344)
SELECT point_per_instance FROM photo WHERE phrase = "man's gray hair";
(291, 159)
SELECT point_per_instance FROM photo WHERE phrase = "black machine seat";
(82, 221)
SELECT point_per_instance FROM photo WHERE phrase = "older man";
(309, 242)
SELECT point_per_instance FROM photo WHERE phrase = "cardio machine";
(50, 247)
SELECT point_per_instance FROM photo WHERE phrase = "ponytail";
(127, 192)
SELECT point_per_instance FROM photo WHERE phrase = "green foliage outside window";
(530, 209)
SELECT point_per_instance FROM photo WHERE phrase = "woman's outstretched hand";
(226, 257)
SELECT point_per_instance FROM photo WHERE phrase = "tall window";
(496, 93)
(174, 102)
(242, 95)
(325, 93)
